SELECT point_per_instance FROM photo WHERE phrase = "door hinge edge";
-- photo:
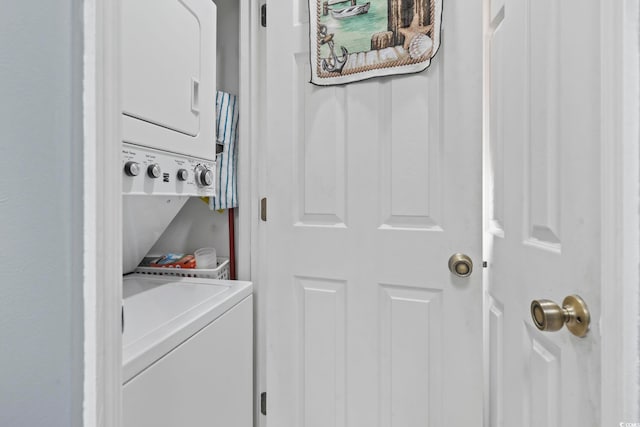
(263, 209)
(263, 403)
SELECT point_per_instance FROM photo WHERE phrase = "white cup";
(206, 258)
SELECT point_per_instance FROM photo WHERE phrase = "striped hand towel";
(227, 130)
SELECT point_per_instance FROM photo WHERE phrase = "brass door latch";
(460, 265)
(549, 316)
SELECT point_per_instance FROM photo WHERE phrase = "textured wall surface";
(41, 213)
(228, 49)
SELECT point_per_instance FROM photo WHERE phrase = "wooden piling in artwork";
(400, 15)
(381, 40)
(325, 8)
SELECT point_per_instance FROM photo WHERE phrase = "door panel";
(371, 187)
(408, 159)
(319, 164)
(543, 209)
(542, 116)
(322, 329)
(410, 381)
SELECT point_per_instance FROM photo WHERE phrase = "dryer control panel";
(153, 172)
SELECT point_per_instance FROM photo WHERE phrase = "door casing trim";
(620, 231)
(103, 215)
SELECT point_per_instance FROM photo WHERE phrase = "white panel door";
(371, 187)
(543, 209)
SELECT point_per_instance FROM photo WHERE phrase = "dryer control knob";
(183, 175)
(132, 168)
(204, 176)
(154, 171)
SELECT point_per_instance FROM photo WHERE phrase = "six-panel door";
(543, 219)
(371, 187)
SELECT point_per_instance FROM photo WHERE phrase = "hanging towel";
(227, 135)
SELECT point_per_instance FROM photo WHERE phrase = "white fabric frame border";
(378, 72)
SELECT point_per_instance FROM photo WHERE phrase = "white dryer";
(168, 97)
(169, 75)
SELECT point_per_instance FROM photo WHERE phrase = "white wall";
(196, 226)
(41, 213)
(228, 49)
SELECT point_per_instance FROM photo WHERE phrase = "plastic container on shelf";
(220, 272)
(206, 258)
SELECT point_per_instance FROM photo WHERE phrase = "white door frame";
(251, 178)
(103, 222)
(620, 172)
(103, 198)
(103, 215)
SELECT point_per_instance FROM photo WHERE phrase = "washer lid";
(162, 312)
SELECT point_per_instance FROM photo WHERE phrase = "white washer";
(187, 352)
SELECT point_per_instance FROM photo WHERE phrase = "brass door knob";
(549, 316)
(460, 265)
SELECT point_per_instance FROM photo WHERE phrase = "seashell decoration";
(419, 46)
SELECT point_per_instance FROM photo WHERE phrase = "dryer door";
(169, 75)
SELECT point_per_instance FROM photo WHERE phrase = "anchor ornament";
(333, 63)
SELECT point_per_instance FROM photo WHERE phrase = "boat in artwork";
(350, 11)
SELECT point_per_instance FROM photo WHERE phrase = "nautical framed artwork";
(352, 40)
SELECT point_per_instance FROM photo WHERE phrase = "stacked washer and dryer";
(187, 342)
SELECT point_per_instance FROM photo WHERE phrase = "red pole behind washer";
(232, 245)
